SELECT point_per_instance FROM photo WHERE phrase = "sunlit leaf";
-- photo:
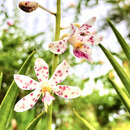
(7, 104)
(34, 122)
(86, 123)
(121, 40)
(123, 96)
(121, 73)
(1, 77)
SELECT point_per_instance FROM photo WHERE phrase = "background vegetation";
(102, 108)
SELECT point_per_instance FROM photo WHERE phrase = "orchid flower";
(82, 39)
(44, 87)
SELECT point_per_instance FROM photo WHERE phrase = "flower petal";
(60, 73)
(73, 28)
(41, 69)
(28, 101)
(91, 21)
(83, 30)
(58, 47)
(83, 52)
(67, 92)
(47, 99)
(25, 82)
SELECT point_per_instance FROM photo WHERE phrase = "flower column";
(55, 59)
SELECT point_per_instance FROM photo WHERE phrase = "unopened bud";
(28, 6)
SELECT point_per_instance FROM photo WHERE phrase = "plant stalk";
(40, 6)
(55, 58)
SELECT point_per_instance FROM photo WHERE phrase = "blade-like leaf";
(7, 104)
(86, 123)
(121, 40)
(123, 96)
(1, 77)
(121, 73)
(34, 122)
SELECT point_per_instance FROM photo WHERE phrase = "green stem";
(45, 9)
(86, 123)
(1, 77)
(55, 59)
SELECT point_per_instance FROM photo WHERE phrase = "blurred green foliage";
(103, 110)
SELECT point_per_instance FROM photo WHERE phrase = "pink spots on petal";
(38, 95)
(91, 39)
(39, 68)
(21, 81)
(40, 80)
(60, 42)
(58, 50)
(59, 71)
(31, 105)
(31, 81)
(56, 82)
(59, 93)
(31, 94)
(36, 100)
(33, 99)
(37, 74)
(80, 54)
(65, 96)
(45, 68)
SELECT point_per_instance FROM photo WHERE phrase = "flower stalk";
(55, 58)
(45, 9)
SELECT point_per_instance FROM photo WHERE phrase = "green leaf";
(121, 73)
(1, 77)
(86, 123)
(121, 40)
(34, 122)
(123, 96)
(7, 104)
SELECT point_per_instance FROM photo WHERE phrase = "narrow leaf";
(123, 96)
(121, 73)
(86, 123)
(34, 122)
(7, 104)
(1, 77)
(121, 40)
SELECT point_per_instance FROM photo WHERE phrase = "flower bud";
(28, 6)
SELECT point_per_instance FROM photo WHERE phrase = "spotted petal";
(41, 69)
(73, 29)
(83, 30)
(28, 101)
(58, 47)
(60, 73)
(25, 82)
(67, 92)
(83, 52)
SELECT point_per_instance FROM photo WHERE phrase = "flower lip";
(28, 6)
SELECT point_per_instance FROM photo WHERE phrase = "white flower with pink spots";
(82, 39)
(44, 87)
